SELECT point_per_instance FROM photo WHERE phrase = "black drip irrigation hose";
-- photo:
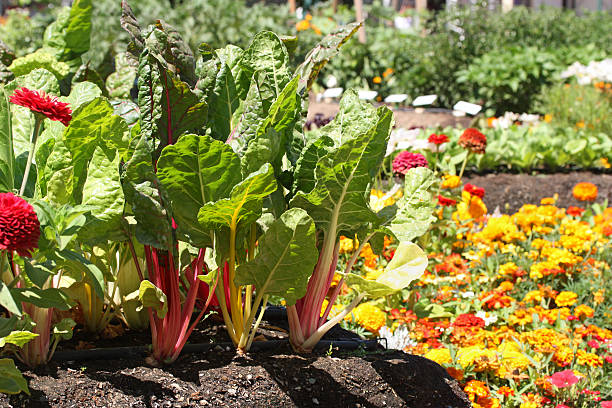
(272, 313)
(137, 352)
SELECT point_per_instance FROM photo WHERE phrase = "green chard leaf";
(337, 202)
(194, 171)
(286, 258)
(408, 264)
(244, 204)
(45, 298)
(415, 209)
(18, 338)
(153, 297)
(268, 54)
(69, 35)
(11, 380)
(319, 56)
(146, 196)
(7, 157)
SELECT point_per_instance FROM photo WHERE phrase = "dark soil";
(510, 191)
(275, 377)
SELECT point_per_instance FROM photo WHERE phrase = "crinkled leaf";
(120, 82)
(244, 203)
(415, 209)
(338, 201)
(269, 142)
(11, 380)
(223, 102)
(304, 175)
(102, 190)
(319, 56)
(94, 124)
(143, 191)
(130, 24)
(7, 158)
(256, 106)
(268, 54)
(18, 338)
(176, 56)
(194, 171)
(69, 35)
(45, 298)
(40, 59)
(82, 93)
(286, 258)
(153, 297)
(408, 264)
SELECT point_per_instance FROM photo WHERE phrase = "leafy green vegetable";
(11, 380)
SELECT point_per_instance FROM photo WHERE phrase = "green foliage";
(42, 58)
(578, 107)
(507, 80)
(11, 380)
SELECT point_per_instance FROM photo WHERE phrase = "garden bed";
(221, 378)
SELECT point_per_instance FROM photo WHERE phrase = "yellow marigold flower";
(379, 200)
(450, 181)
(508, 269)
(481, 359)
(387, 72)
(549, 200)
(369, 317)
(377, 80)
(505, 286)
(583, 311)
(335, 309)
(566, 298)
(588, 359)
(563, 356)
(605, 163)
(585, 191)
(535, 296)
(513, 360)
(580, 124)
(520, 317)
(439, 355)
(348, 245)
(598, 297)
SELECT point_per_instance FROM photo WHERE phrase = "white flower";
(397, 340)
(468, 294)
(331, 81)
(487, 317)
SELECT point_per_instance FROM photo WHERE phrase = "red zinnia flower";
(406, 161)
(42, 103)
(593, 344)
(474, 190)
(575, 211)
(562, 379)
(437, 139)
(445, 201)
(473, 140)
(19, 226)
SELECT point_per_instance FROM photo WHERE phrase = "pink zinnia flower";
(562, 379)
(40, 102)
(406, 161)
(606, 404)
(19, 225)
(593, 344)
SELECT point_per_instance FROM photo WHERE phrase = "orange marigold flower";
(476, 388)
(505, 391)
(585, 191)
(473, 140)
(575, 211)
(456, 373)
(583, 311)
(377, 80)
